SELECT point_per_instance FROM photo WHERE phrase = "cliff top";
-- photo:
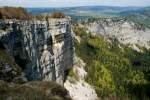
(54, 15)
(19, 13)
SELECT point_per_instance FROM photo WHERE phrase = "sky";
(71, 3)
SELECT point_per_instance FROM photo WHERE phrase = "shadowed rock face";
(44, 49)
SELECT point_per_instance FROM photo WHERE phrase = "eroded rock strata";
(44, 49)
(127, 32)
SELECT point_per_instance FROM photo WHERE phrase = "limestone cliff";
(125, 31)
(44, 49)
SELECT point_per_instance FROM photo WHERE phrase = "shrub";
(73, 74)
(14, 13)
(57, 15)
(35, 90)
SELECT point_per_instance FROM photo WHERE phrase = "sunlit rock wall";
(44, 49)
(125, 31)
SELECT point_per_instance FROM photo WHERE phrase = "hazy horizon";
(74, 3)
(83, 6)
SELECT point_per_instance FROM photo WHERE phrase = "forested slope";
(114, 70)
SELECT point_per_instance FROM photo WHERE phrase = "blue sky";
(69, 3)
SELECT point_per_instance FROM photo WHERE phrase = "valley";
(75, 53)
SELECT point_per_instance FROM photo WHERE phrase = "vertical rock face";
(126, 32)
(43, 48)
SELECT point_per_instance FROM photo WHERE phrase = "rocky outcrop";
(79, 89)
(126, 32)
(44, 49)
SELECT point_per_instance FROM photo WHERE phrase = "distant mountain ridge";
(142, 11)
(92, 10)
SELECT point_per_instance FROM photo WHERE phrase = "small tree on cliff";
(57, 15)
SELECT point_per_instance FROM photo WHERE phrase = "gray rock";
(43, 48)
(127, 32)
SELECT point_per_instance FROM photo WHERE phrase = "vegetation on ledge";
(47, 16)
(58, 15)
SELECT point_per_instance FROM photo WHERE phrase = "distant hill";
(137, 14)
(141, 11)
(87, 10)
(141, 15)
